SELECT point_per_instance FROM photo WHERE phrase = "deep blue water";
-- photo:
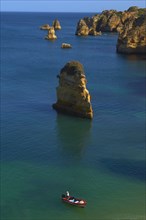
(44, 153)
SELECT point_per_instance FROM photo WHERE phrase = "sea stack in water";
(51, 34)
(72, 96)
(56, 25)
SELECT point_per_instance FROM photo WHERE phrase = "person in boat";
(67, 193)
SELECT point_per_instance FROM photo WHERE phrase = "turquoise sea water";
(43, 153)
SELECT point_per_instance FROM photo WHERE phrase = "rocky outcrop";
(82, 28)
(132, 38)
(45, 27)
(56, 25)
(107, 21)
(51, 34)
(65, 45)
(72, 96)
(87, 27)
(94, 33)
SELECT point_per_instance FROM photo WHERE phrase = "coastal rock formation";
(64, 45)
(72, 96)
(56, 25)
(51, 34)
(86, 27)
(94, 33)
(107, 21)
(45, 27)
(82, 28)
(132, 38)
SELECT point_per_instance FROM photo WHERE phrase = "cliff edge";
(132, 38)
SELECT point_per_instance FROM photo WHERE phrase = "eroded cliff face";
(132, 37)
(72, 95)
(107, 21)
(82, 28)
(87, 26)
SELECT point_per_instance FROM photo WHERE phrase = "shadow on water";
(73, 135)
(133, 57)
(128, 168)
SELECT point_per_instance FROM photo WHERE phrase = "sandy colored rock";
(72, 95)
(132, 38)
(56, 25)
(51, 34)
(82, 28)
(65, 45)
(107, 21)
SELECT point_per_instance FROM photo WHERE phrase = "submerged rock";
(56, 25)
(51, 34)
(72, 96)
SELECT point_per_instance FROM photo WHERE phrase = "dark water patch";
(138, 87)
(128, 168)
(133, 57)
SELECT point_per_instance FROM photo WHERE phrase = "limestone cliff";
(51, 34)
(87, 26)
(107, 21)
(132, 38)
(72, 96)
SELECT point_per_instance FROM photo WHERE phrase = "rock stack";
(56, 25)
(51, 34)
(72, 96)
